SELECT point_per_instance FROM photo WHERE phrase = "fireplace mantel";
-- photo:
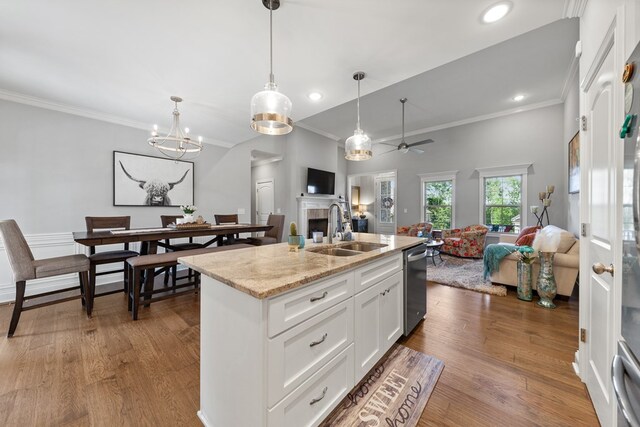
(312, 202)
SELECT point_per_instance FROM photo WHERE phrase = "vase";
(295, 243)
(546, 285)
(524, 281)
(188, 217)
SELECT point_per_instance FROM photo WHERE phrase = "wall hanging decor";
(574, 164)
(140, 180)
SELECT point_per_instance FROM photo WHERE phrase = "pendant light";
(177, 143)
(270, 109)
(358, 146)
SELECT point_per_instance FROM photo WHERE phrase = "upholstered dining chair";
(105, 223)
(25, 268)
(274, 235)
(229, 219)
(171, 219)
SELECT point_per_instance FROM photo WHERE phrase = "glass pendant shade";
(358, 146)
(270, 111)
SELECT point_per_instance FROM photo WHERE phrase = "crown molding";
(471, 120)
(574, 8)
(318, 131)
(90, 114)
(572, 77)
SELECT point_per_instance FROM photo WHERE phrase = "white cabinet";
(290, 359)
(297, 353)
(378, 321)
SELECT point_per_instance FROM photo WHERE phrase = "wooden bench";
(136, 266)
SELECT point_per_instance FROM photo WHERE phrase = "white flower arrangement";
(188, 209)
(547, 239)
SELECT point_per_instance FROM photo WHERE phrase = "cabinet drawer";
(373, 273)
(310, 403)
(295, 307)
(297, 353)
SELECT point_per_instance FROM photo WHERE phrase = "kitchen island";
(286, 335)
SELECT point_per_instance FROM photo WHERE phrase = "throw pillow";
(526, 240)
(528, 230)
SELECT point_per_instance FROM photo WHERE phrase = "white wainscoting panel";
(48, 246)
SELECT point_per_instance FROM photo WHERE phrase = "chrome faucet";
(341, 213)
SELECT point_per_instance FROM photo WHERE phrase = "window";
(503, 198)
(438, 195)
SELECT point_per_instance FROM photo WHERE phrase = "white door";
(264, 200)
(385, 203)
(598, 211)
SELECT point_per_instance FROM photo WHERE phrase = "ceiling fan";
(403, 146)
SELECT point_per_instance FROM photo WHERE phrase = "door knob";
(600, 268)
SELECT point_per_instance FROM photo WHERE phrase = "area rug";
(464, 273)
(393, 393)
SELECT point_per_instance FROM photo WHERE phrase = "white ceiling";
(125, 58)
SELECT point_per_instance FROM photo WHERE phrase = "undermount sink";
(334, 251)
(363, 246)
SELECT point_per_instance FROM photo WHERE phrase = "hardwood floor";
(507, 363)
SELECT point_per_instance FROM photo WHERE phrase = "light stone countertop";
(266, 271)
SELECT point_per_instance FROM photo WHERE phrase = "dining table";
(150, 238)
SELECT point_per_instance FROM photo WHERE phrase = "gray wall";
(301, 149)
(535, 136)
(55, 168)
(571, 127)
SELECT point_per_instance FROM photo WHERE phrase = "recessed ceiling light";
(496, 12)
(315, 96)
(518, 98)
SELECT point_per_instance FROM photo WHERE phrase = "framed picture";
(140, 180)
(574, 164)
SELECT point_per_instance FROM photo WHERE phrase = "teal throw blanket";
(493, 254)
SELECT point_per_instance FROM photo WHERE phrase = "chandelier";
(177, 143)
(270, 109)
(358, 146)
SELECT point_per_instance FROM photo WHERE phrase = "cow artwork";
(157, 190)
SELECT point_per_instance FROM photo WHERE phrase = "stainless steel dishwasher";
(415, 286)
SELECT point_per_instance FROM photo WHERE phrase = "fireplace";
(313, 214)
(318, 224)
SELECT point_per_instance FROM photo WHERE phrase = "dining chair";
(170, 247)
(25, 268)
(107, 223)
(229, 219)
(274, 235)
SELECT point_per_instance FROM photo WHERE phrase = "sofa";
(467, 242)
(414, 229)
(565, 265)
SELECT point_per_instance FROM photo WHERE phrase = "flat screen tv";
(320, 182)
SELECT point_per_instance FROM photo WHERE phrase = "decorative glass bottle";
(524, 281)
(546, 285)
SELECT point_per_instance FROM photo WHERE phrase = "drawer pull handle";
(385, 292)
(320, 341)
(318, 399)
(314, 299)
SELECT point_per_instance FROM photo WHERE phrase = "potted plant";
(187, 212)
(295, 241)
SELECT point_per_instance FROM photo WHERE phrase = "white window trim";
(497, 171)
(439, 176)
